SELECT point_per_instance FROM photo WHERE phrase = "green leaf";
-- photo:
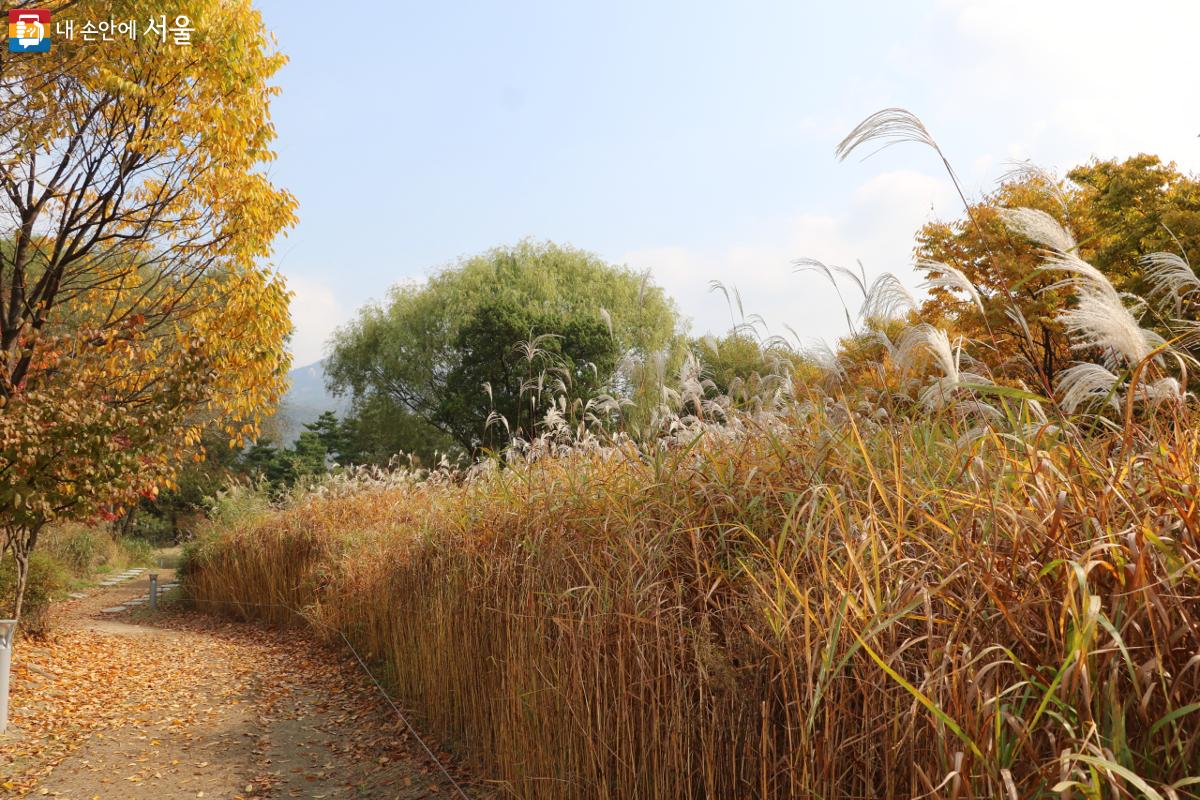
(922, 698)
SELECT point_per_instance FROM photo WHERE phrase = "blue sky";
(692, 139)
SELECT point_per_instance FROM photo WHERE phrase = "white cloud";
(1083, 77)
(315, 313)
(1058, 82)
(876, 227)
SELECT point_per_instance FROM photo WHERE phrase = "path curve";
(136, 705)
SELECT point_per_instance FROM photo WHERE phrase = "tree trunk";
(22, 540)
(127, 521)
(1048, 366)
(22, 582)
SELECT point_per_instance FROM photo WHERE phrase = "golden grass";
(816, 606)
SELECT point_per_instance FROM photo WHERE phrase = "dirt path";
(134, 704)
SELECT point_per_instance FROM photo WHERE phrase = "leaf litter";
(193, 706)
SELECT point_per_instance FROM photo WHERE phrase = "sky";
(692, 139)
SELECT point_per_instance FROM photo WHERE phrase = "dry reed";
(817, 607)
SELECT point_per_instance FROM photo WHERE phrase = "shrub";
(79, 548)
(135, 552)
(83, 550)
(47, 580)
(151, 528)
(240, 502)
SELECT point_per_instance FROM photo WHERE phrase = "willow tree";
(135, 306)
(501, 335)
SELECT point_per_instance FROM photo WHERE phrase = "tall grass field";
(904, 577)
(813, 608)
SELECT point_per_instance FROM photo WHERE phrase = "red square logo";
(41, 15)
(29, 30)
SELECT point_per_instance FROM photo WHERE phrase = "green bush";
(85, 550)
(47, 580)
(151, 528)
(136, 552)
(239, 503)
(78, 548)
(193, 556)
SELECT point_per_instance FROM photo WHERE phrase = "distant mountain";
(305, 400)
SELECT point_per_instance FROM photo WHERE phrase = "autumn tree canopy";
(135, 307)
(1119, 211)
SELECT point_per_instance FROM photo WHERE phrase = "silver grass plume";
(925, 338)
(826, 359)
(887, 298)
(1086, 384)
(1035, 409)
(692, 385)
(882, 338)
(1099, 318)
(607, 317)
(893, 126)
(1163, 390)
(1014, 313)
(732, 297)
(496, 418)
(1170, 275)
(948, 358)
(944, 276)
(889, 126)
(831, 271)
(1039, 227)
(1027, 171)
(978, 408)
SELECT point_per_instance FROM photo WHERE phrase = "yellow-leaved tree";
(135, 305)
